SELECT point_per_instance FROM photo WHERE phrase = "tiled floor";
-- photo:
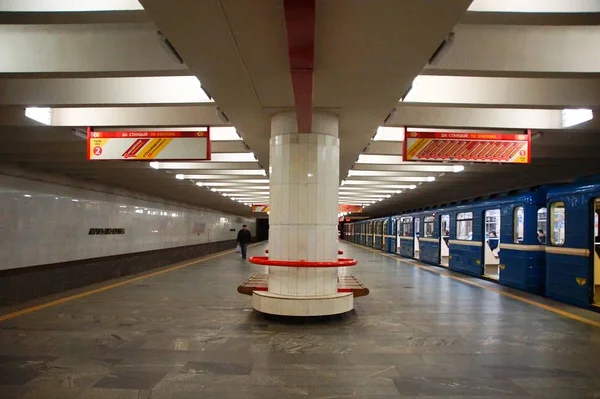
(189, 334)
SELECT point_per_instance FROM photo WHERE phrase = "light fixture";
(179, 177)
(213, 189)
(41, 115)
(413, 85)
(430, 178)
(379, 159)
(387, 133)
(224, 133)
(233, 157)
(154, 165)
(27, 195)
(75, 200)
(237, 182)
(412, 187)
(458, 168)
(572, 117)
(199, 184)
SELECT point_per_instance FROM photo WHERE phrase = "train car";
(381, 233)
(504, 238)
(494, 238)
(378, 233)
(408, 232)
(389, 231)
(497, 238)
(573, 248)
(431, 240)
(363, 232)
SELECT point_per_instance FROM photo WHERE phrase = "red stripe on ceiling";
(300, 23)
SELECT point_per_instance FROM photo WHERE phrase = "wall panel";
(44, 223)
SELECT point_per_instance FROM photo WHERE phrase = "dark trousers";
(244, 248)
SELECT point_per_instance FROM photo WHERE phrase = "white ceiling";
(511, 65)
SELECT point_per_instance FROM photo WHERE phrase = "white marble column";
(304, 182)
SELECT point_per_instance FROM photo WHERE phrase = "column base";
(325, 305)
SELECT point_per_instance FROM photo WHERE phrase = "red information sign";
(350, 208)
(260, 208)
(149, 146)
(341, 208)
(468, 147)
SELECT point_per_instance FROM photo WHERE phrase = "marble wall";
(44, 223)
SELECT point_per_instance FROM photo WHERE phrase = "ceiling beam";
(93, 50)
(526, 51)
(474, 118)
(129, 91)
(538, 93)
(71, 17)
(175, 116)
(300, 24)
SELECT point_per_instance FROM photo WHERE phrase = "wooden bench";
(346, 283)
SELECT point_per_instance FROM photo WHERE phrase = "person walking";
(243, 239)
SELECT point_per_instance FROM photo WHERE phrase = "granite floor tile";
(417, 335)
(16, 376)
(217, 368)
(130, 379)
(499, 388)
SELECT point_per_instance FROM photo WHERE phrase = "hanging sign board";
(342, 208)
(467, 147)
(260, 208)
(148, 146)
(350, 208)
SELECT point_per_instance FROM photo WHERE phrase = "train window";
(492, 223)
(428, 223)
(557, 222)
(464, 226)
(406, 226)
(542, 225)
(518, 224)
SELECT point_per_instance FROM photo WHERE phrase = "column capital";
(322, 123)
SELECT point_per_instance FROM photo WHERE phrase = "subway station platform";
(184, 332)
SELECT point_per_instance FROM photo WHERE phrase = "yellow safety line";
(507, 294)
(32, 309)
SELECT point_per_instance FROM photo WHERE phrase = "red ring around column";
(340, 252)
(263, 260)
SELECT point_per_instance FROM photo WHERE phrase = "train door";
(373, 234)
(398, 232)
(491, 246)
(445, 240)
(596, 293)
(417, 233)
(384, 235)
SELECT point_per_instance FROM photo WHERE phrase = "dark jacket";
(244, 237)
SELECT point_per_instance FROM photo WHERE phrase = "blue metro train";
(544, 240)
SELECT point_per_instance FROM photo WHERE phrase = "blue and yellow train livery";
(504, 238)
(573, 249)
